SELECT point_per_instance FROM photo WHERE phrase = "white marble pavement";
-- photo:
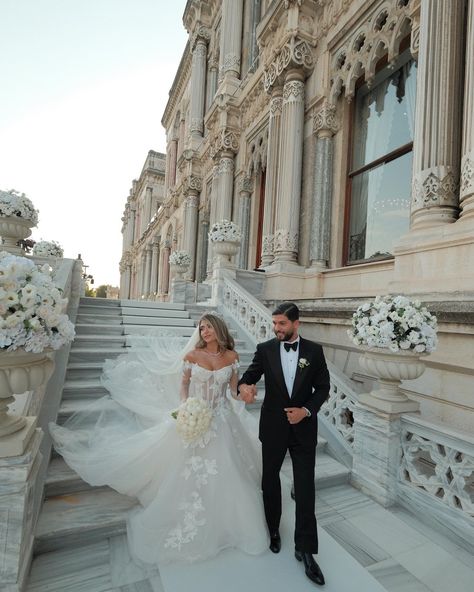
(364, 548)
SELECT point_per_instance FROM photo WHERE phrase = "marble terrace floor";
(363, 548)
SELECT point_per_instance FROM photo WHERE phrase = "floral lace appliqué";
(199, 469)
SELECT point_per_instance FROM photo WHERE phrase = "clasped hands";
(248, 394)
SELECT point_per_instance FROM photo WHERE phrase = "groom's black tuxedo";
(310, 390)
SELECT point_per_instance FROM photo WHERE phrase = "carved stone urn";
(20, 371)
(178, 270)
(12, 229)
(225, 250)
(390, 368)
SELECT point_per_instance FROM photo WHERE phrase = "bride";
(199, 494)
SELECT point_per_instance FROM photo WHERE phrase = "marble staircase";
(75, 513)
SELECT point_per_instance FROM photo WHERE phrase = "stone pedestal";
(18, 510)
(377, 449)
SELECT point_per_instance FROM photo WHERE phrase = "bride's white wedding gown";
(195, 499)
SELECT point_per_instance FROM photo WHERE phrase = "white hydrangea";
(31, 307)
(180, 258)
(45, 248)
(224, 231)
(17, 204)
(193, 419)
(395, 323)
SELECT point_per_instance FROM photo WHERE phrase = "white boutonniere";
(303, 363)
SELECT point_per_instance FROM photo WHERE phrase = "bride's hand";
(248, 392)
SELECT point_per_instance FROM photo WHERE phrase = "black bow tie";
(293, 346)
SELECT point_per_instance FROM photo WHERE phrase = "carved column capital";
(325, 122)
(201, 36)
(225, 140)
(296, 52)
(245, 186)
(193, 184)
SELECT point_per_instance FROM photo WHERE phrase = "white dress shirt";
(289, 364)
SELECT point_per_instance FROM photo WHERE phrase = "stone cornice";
(177, 88)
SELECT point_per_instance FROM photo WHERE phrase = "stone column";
(244, 221)
(128, 281)
(231, 38)
(437, 138)
(148, 204)
(274, 126)
(255, 19)
(226, 186)
(467, 162)
(198, 87)
(173, 159)
(155, 254)
(190, 228)
(211, 83)
(324, 126)
(132, 226)
(202, 246)
(290, 168)
(147, 275)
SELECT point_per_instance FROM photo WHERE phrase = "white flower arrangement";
(31, 307)
(48, 249)
(193, 418)
(17, 204)
(224, 231)
(303, 363)
(395, 323)
(180, 258)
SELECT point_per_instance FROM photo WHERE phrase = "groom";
(296, 385)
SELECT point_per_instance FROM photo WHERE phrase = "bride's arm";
(234, 380)
(185, 380)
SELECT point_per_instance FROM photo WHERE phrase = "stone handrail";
(250, 313)
(439, 463)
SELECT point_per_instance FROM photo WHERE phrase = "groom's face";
(284, 329)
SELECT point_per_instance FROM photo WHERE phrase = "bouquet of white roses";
(13, 204)
(224, 231)
(396, 323)
(48, 249)
(180, 258)
(31, 307)
(193, 418)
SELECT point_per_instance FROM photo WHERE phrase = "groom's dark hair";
(289, 309)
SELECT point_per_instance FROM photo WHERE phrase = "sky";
(83, 87)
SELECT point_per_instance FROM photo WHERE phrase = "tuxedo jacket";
(310, 390)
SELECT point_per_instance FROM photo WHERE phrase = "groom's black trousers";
(303, 458)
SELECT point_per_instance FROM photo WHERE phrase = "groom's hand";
(295, 414)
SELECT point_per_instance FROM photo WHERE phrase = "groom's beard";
(284, 336)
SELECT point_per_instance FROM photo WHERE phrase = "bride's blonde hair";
(224, 338)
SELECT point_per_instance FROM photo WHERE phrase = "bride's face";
(207, 331)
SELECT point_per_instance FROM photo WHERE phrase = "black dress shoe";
(311, 568)
(275, 542)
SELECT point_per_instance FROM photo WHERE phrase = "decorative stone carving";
(225, 140)
(358, 55)
(284, 241)
(246, 185)
(276, 105)
(267, 245)
(288, 3)
(197, 125)
(435, 187)
(467, 176)
(293, 91)
(231, 63)
(226, 165)
(201, 33)
(193, 183)
(296, 53)
(325, 119)
(192, 201)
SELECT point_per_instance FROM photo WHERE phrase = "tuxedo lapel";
(302, 353)
(275, 359)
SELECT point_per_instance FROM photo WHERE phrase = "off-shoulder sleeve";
(234, 379)
(185, 381)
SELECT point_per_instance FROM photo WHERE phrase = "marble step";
(99, 302)
(69, 406)
(131, 329)
(90, 388)
(97, 319)
(157, 321)
(82, 517)
(94, 354)
(62, 480)
(152, 305)
(104, 311)
(98, 341)
(83, 370)
(154, 312)
(97, 329)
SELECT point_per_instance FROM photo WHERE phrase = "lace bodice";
(210, 385)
